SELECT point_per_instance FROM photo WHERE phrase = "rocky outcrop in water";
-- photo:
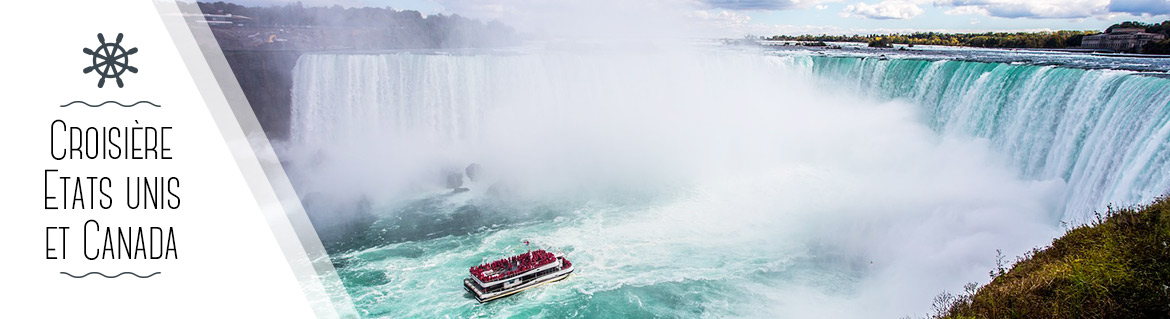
(472, 171)
(454, 180)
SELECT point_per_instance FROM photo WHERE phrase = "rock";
(498, 190)
(472, 171)
(454, 180)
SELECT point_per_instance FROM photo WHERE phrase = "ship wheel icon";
(110, 60)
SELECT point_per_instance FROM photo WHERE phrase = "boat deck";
(512, 275)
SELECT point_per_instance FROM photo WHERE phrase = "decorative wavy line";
(114, 276)
(108, 102)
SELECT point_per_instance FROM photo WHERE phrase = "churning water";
(707, 183)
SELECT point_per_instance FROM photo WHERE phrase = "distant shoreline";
(1091, 51)
(1134, 38)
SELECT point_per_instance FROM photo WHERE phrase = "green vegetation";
(1116, 267)
(1052, 40)
(1048, 40)
(880, 43)
(1163, 28)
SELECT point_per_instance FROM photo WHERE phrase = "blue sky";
(768, 17)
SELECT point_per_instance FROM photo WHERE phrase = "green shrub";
(1117, 266)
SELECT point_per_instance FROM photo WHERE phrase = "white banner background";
(229, 264)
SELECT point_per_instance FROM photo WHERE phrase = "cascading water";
(1105, 132)
(708, 184)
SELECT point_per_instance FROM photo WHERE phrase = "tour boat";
(505, 277)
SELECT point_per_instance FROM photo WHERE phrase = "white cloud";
(723, 19)
(889, 9)
(765, 4)
(965, 10)
(1043, 9)
(572, 18)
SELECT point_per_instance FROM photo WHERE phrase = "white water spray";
(816, 202)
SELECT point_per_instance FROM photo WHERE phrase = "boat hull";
(486, 297)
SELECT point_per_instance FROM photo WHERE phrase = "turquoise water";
(1104, 132)
(414, 278)
(713, 184)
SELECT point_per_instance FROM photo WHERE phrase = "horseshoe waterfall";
(1106, 133)
(711, 182)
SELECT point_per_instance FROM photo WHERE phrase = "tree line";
(1053, 40)
(1046, 39)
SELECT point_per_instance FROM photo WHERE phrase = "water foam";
(683, 183)
(1105, 132)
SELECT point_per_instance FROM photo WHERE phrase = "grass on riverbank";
(1118, 266)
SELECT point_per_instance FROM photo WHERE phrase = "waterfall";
(818, 186)
(1106, 133)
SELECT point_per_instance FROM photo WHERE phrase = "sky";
(735, 18)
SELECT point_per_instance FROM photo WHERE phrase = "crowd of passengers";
(512, 266)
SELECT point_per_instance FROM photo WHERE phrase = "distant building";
(1121, 39)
